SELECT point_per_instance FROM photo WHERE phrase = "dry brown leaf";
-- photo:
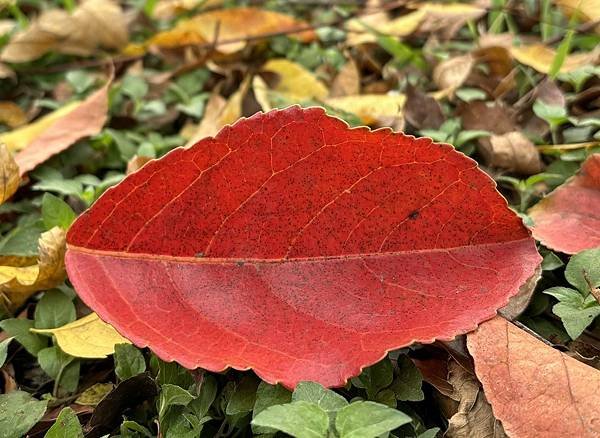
(9, 174)
(95, 23)
(446, 19)
(360, 29)
(474, 417)
(452, 73)
(540, 58)
(528, 382)
(519, 302)
(495, 117)
(227, 25)
(83, 120)
(136, 162)
(372, 109)
(17, 283)
(295, 83)
(422, 111)
(512, 151)
(12, 115)
(347, 81)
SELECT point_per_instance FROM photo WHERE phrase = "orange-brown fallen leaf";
(12, 115)
(9, 174)
(535, 390)
(540, 58)
(229, 28)
(82, 119)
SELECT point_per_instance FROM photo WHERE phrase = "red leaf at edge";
(300, 248)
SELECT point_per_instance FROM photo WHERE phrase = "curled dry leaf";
(522, 376)
(512, 151)
(347, 81)
(136, 162)
(372, 109)
(95, 23)
(450, 74)
(294, 82)
(17, 283)
(568, 220)
(57, 131)
(230, 28)
(540, 58)
(446, 19)
(264, 241)
(88, 337)
(474, 416)
(9, 174)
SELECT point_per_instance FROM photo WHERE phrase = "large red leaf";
(300, 248)
(534, 389)
(568, 220)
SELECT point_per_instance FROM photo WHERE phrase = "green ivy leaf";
(365, 419)
(54, 310)
(66, 426)
(244, 396)
(376, 377)
(61, 367)
(172, 395)
(4, 350)
(19, 412)
(300, 419)
(19, 329)
(407, 385)
(575, 311)
(129, 361)
(326, 399)
(583, 270)
(267, 396)
(56, 212)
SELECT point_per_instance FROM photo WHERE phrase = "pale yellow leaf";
(295, 82)
(371, 108)
(361, 30)
(262, 93)
(9, 174)
(18, 139)
(88, 337)
(587, 10)
(540, 58)
(93, 24)
(17, 283)
(230, 28)
(94, 394)
(453, 72)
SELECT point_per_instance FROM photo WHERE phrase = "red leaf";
(300, 248)
(535, 390)
(568, 220)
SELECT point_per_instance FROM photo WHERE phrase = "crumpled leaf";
(540, 58)
(294, 81)
(95, 23)
(568, 220)
(512, 151)
(522, 377)
(298, 247)
(88, 337)
(9, 174)
(17, 283)
(371, 108)
(474, 416)
(229, 29)
(58, 130)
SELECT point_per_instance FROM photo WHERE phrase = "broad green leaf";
(301, 419)
(551, 262)
(19, 329)
(554, 115)
(4, 350)
(365, 419)
(577, 319)
(566, 296)
(326, 399)
(61, 367)
(172, 395)
(56, 212)
(407, 385)
(377, 377)
(66, 426)
(19, 412)
(129, 361)
(54, 310)
(243, 398)
(583, 270)
(174, 374)
(131, 429)
(23, 239)
(266, 396)
(208, 392)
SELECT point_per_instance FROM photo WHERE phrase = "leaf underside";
(300, 248)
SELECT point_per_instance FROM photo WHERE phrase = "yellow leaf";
(588, 10)
(18, 283)
(262, 93)
(9, 174)
(94, 394)
(540, 58)
(12, 115)
(93, 24)
(360, 30)
(88, 337)
(227, 25)
(371, 108)
(295, 82)
(19, 138)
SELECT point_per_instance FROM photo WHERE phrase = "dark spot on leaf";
(413, 215)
